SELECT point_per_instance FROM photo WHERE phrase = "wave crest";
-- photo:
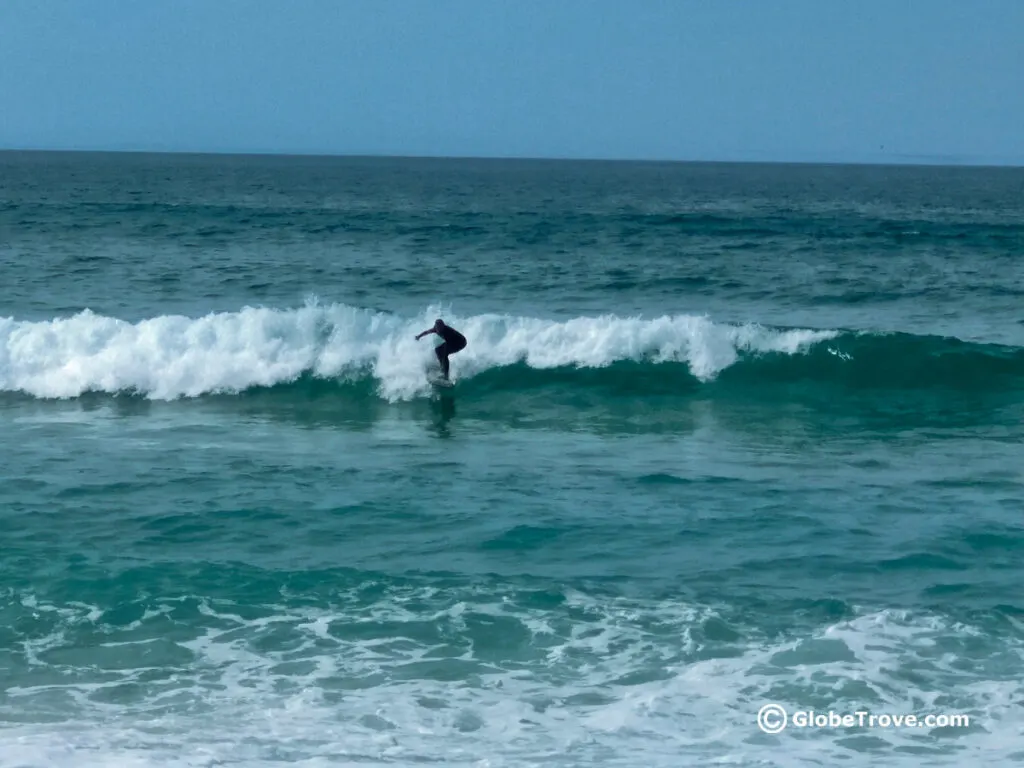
(170, 357)
(173, 356)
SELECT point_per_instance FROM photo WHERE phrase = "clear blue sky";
(932, 80)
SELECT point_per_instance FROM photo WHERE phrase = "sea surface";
(724, 436)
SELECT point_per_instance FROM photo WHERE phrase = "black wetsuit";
(453, 342)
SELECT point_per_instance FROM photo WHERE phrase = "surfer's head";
(438, 324)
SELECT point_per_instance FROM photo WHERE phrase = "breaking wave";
(171, 356)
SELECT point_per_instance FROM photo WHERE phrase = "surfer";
(453, 342)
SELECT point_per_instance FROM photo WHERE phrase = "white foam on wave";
(466, 678)
(173, 356)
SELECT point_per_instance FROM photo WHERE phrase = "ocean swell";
(172, 357)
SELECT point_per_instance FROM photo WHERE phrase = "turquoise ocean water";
(723, 436)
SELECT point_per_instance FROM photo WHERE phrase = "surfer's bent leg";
(442, 357)
(448, 348)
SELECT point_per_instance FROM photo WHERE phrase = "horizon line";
(900, 160)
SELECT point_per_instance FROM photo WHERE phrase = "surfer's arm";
(425, 333)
